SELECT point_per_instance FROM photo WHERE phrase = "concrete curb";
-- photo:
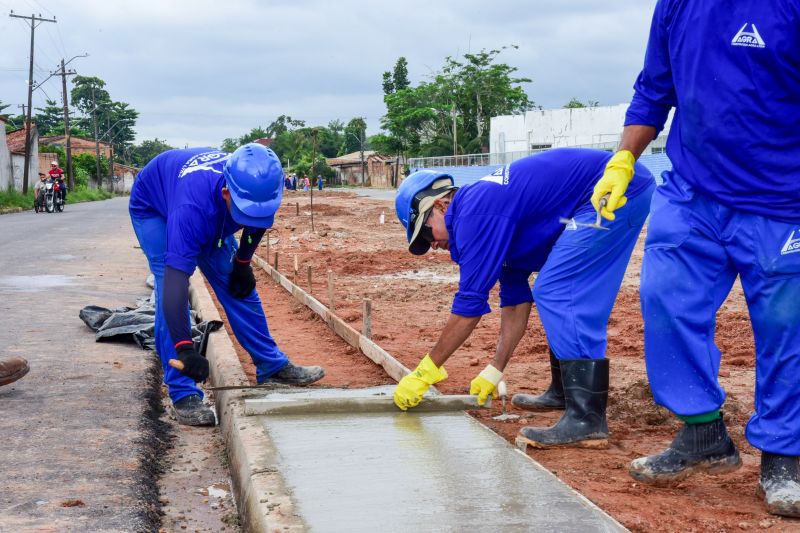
(9, 210)
(262, 499)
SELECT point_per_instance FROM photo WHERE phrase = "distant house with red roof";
(12, 157)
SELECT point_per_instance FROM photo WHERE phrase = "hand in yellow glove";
(409, 391)
(486, 383)
(614, 183)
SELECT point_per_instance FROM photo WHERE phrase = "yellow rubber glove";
(486, 383)
(409, 390)
(614, 183)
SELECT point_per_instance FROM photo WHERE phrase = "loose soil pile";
(411, 299)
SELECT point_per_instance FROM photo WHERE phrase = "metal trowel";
(501, 391)
(574, 224)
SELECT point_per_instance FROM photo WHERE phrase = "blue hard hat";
(254, 177)
(415, 188)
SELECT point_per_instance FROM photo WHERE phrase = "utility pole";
(110, 151)
(455, 133)
(96, 141)
(33, 21)
(67, 134)
(314, 133)
(363, 166)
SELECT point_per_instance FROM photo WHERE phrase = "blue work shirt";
(184, 187)
(503, 226)
(731, 69)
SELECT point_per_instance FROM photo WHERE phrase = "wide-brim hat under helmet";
(415, 197)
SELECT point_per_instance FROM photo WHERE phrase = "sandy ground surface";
(411, 301)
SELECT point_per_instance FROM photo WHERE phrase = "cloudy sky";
(200, 71)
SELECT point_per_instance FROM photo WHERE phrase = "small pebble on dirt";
(744, 525)
(764, 524)
(474, 362)
(724, 373)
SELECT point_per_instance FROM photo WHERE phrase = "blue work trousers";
(245, 316)
(578, 284)
(695, 249)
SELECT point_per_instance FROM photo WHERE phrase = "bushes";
(16, 199)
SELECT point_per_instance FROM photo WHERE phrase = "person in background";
(57, 174)
(319, 182)
(38, 193)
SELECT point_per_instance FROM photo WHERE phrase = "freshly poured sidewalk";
(399, 471)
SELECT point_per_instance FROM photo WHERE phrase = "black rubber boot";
(191, 411)
(583, 424)
(292, 374)
(703, 447)
(549, 400)
(780, 484)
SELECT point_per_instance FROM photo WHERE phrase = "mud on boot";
(191, 411)
(551, 399)
(780, 484)
(583, 424)
(293, 374)
(705, 447)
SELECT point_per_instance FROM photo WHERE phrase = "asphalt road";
(76, 441)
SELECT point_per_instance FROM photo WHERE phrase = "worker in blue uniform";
(730, 207)
(505, 227)
(185, 207)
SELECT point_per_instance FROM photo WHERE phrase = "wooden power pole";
(33, 21)
(67, 134)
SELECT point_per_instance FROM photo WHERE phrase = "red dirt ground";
(411, 299)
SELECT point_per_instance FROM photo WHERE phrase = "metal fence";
(505, 158)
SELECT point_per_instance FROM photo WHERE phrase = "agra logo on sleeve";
(205, 161)
(748, 38)
(499, 176)
(792, 245)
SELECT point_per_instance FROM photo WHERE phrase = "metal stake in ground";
(310, 288)
(276, 261)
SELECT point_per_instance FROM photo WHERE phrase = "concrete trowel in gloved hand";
(574, 224)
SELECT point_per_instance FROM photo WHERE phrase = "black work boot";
(191, 411)
(780, 484)
(703, 447)
(583, 424)
(292, 374)
(551, 399)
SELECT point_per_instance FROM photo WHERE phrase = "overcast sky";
(200, 71)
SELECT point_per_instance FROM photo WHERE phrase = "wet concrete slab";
(419, 472)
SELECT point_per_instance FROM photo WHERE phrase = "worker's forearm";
(455, 332)
(635, 138)
(513, 323)
(175, 305)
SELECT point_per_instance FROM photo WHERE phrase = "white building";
(600, 127)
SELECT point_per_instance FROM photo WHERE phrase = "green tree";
(142, 153)
(355, 133)
(49, 117)
(388, 84)
(574, 103)
(115, 120)
(400, 75)
(454, 107)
